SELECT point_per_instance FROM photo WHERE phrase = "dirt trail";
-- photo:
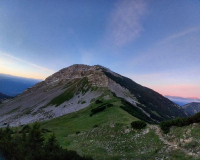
(172, 145)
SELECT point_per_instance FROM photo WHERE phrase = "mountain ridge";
(192, 108)
(75, 87)
(182, 100)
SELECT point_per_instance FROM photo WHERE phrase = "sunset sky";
(154, 42)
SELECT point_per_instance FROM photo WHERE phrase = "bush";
(83, 102)
(98, 101)
(138, 124)
(100, 109)
(25, 129)
(95, 126)
(44, 130)
(179, 122)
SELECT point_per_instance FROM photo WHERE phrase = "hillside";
(90, 109)
(192, 108)
(76, 87)
(109, 135)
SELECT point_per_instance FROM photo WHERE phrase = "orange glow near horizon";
(33, 76)
(14, 72)
(21, 68)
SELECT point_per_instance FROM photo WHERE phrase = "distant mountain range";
(182, 101)
(3, 96)
(192, 108)
(79, 86)
(13, 85)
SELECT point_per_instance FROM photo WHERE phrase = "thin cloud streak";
(166, 47)
(34, 65)
(178, 35)
(125, 22)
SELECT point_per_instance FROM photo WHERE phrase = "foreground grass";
(81, 121)
(109, 135)
(105, 135)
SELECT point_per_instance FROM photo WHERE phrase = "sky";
(156, 43)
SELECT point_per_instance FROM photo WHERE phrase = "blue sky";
(154, 42)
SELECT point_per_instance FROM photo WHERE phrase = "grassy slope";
(81, 120)
(108, 140)
(108, 134)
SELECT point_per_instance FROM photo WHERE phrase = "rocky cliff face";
(74, 88)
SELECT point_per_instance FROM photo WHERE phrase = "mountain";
(192, 108)
(3, 96)
(79, 86)
(13, 85)
(182, 101)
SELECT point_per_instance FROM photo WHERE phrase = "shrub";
(179, 122)
(98, 101)
(25, 129)
(95, 126)
(44, 130)
(83, 102)
(100, 109)
(138, 124)
(97, 110)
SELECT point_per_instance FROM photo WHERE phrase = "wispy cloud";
(180, 34)
(124, 23)
(29, 63)
(172, 51)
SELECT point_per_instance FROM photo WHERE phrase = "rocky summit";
(76, 87)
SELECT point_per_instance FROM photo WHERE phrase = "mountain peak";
(84, 67)
(78, 86)
(77, 71)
